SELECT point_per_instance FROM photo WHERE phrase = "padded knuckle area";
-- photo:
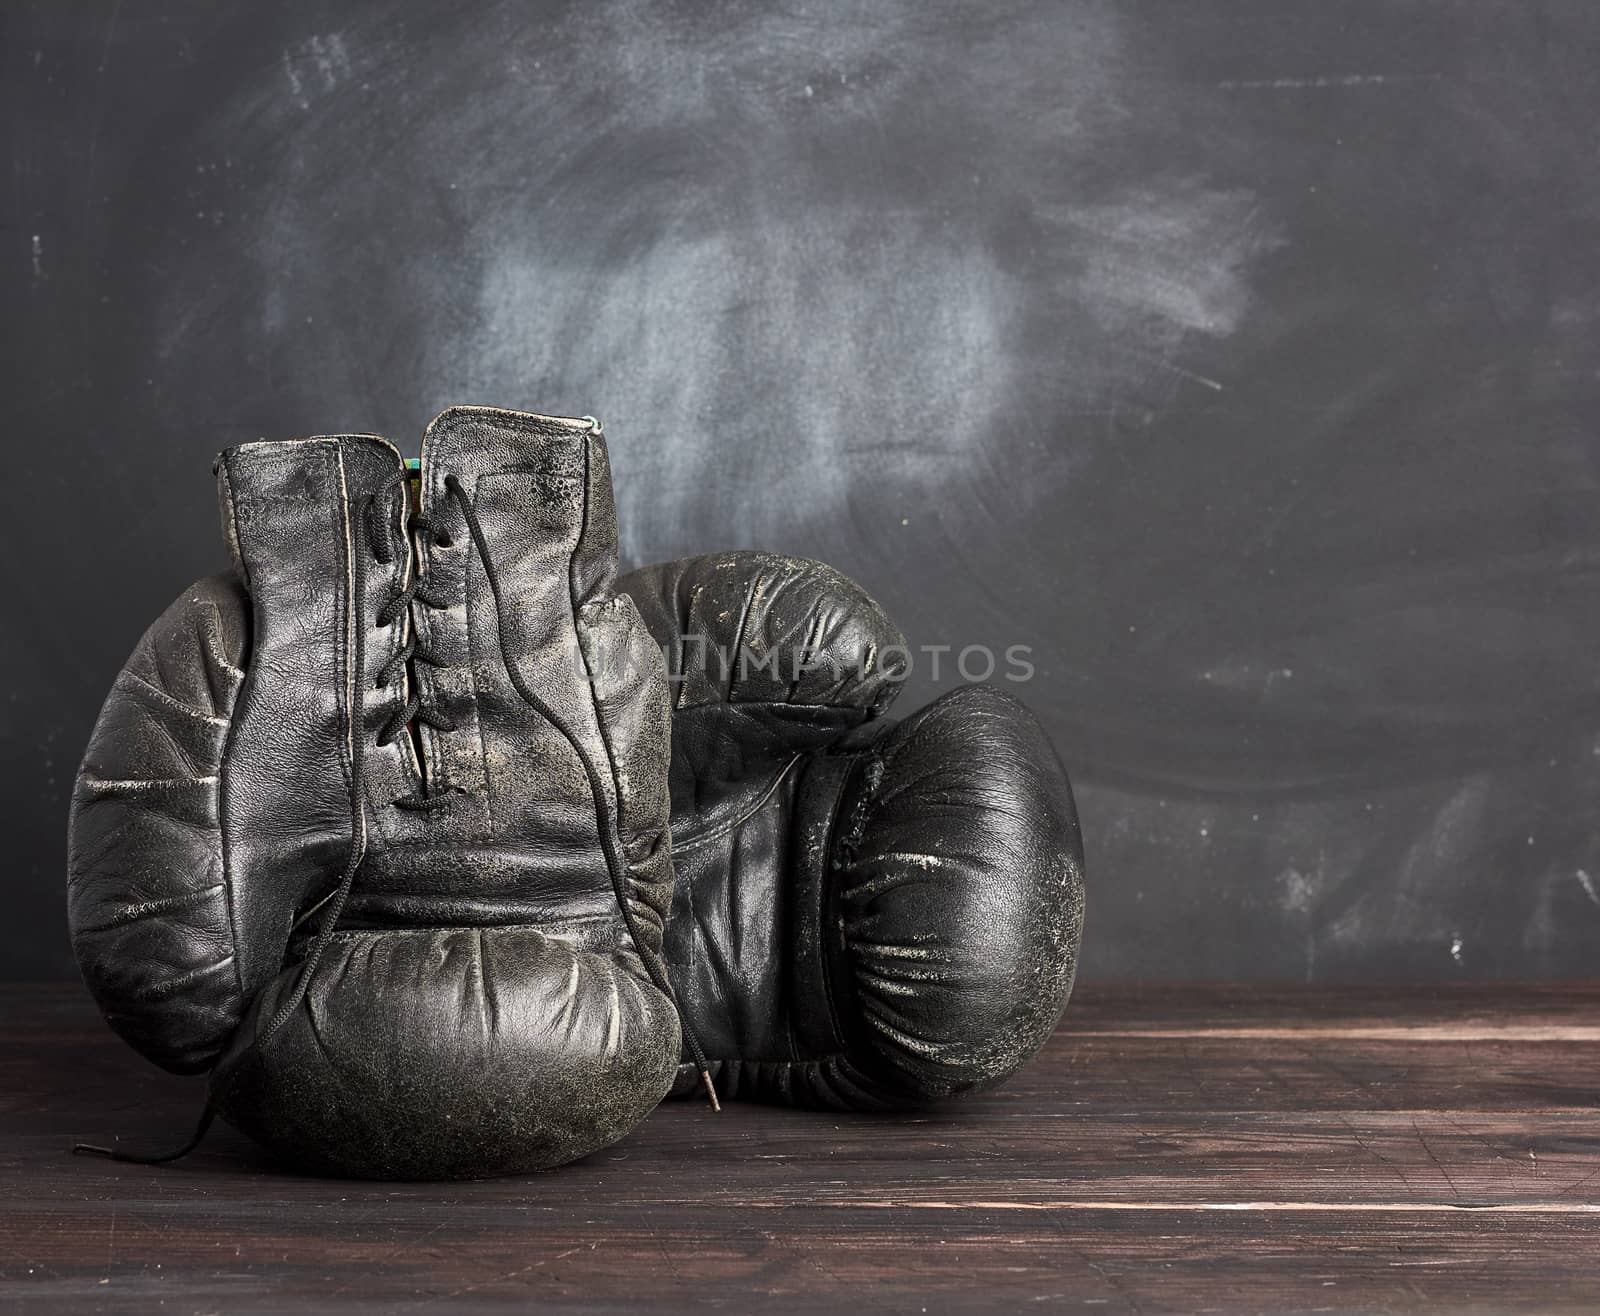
(760, 628)
(961, 893)
(827, 635)
(454, 1053)
(147, 897)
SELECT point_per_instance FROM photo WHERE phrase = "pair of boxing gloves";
(403, 831)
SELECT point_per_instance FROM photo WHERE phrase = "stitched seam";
(824, 932)
(489, 791)
(755, 705)
(679, 847)
(432, 929)
(738, 640)
(680, 697)
(594, 698)
(225, 851)
(341, 528)
(235, 543)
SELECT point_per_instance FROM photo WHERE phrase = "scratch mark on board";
(1325, 80)
(1377, 1155)
(1176, 369)
(509, 1275)
(1437, 1163)
(111, 1243)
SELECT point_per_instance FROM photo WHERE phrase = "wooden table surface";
(1173, 1149)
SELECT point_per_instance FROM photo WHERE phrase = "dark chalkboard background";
(1239, 356)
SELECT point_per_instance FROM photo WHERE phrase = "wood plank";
(1206, 1009)
(1283, 1151)
(384, 1254)
(1396, 1161)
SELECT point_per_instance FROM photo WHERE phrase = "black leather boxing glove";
(374, 828)
(869, 914)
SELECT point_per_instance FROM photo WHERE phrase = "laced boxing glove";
(375, 727)
(868, 915)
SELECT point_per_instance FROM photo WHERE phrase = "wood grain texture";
(1174, 1149)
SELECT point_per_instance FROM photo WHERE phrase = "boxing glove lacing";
(381, 534)
(416, 707)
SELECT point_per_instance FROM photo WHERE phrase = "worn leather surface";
(148, 898)
(483, 1007)
(868, 915)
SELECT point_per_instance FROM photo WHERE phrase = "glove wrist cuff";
(821, 963)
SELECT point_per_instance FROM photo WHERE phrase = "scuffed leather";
(483, 1008)
(868, 915)
(147, 893)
